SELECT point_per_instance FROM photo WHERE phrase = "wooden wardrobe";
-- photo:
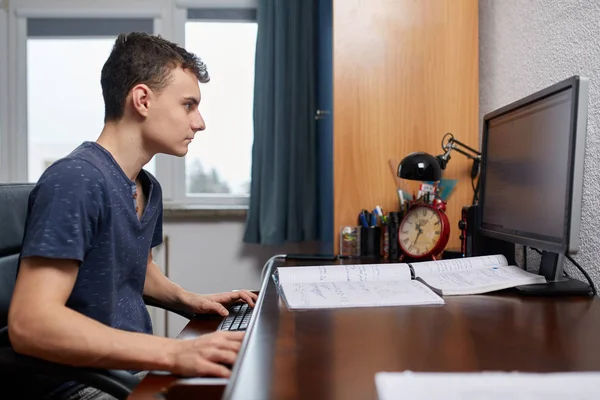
(405, 72)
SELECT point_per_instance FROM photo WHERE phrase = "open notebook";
(377, 285)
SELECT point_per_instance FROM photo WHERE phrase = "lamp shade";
(420, 166)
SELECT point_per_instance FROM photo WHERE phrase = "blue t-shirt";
(83, 208)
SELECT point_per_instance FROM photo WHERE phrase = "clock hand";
(416, 238)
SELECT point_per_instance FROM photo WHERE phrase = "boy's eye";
(188, 106)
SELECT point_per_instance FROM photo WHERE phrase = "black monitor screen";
(527, 168)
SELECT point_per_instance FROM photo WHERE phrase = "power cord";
(475, 189)
(268, 263)
(584, 273)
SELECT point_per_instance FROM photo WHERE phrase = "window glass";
(219, 158)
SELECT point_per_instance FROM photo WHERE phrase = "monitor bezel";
(578, 132)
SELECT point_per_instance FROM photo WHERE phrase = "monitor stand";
(551, 267)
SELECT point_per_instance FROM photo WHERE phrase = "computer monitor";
(532, 176)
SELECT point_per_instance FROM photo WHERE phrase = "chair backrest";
(14, 198)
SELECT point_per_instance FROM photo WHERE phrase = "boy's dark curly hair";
(142, 58)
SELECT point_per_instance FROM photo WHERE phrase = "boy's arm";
(41, 325)
(161, 289)
(168, 294)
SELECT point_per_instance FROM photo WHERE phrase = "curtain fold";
(283, 192)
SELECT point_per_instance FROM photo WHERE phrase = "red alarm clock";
(424, 231)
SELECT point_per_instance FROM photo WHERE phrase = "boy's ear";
(140, 98)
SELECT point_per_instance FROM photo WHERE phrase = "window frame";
(181, 199)
(169, 21)
(4, 124)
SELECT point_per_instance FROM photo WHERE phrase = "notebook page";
(345, 273)
(487, 385)
(476, 281)
(459, 264)
(357, 294)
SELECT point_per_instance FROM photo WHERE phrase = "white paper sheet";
(358, 294)
(487, 386)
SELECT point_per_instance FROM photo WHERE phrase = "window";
(64, 98)
(51, 74)
(3, 90)
(219, 159)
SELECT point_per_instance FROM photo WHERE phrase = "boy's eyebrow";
(192, 99)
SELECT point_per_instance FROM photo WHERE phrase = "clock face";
(420, 231)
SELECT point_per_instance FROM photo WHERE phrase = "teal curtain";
(283, 193)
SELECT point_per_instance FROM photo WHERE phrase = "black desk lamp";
(422, 166)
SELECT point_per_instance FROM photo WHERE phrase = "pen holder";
(370, 241)
(350, 241)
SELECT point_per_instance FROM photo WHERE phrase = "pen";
(363, 219)
(379, 213)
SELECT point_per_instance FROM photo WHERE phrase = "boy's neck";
(125, 144)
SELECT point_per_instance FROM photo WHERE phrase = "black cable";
(475, 191)
(584, 274)
(525, 258)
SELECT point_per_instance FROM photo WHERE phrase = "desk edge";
(253, 321)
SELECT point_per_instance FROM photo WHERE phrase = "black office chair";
(13, 211)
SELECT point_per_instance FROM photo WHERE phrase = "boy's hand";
(206, 355)
(218, 303)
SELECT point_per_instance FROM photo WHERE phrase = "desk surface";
(334, 354)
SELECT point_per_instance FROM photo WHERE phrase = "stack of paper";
(488, 386)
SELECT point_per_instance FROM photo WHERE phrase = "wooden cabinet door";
(405, 72)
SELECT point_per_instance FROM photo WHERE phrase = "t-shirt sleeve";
(65, 208)
(157, 238)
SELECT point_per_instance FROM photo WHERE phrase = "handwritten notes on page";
(473, 275)
(480, 280)
(487, 386)
(459, 264)
(313, 295)
(345, 273)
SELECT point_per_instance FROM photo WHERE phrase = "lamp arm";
(476, 157)
(452, 143)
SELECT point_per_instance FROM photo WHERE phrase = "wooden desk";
(334, 354)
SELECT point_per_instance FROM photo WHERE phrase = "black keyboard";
(238, 318)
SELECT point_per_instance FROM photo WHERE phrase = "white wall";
(209, 257)
(527, 45)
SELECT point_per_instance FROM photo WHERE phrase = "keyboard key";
(238, 318)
